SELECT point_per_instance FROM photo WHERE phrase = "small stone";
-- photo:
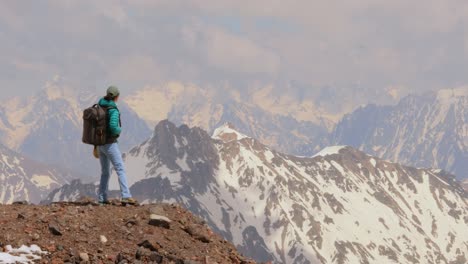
(50, 248)
(35, 236)
(160, 221)
(157, 210)
(84, 257)
(198, 233)
(20, 203)
(155, 256)
(55, 230)
(131, 222)
(142, 253)
(21, 216)
(120, 257)
(103, 239)
(150, 244)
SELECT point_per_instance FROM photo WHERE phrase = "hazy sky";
(368, 44)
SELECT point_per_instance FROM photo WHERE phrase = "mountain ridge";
(422, 131)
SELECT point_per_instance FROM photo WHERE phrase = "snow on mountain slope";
(343, 207)
(283, 133)
(227, 132)
(24, 180)
(465, 184)
(47, 127)
(423, 131)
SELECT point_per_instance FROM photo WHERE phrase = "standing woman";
(110, 152)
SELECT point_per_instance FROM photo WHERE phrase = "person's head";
(112, 93)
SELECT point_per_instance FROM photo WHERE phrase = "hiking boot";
(105, 202)
(129, 200)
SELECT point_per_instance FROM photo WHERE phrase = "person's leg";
(105, 174)
(116, 159)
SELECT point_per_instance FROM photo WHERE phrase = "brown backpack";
(95, 123)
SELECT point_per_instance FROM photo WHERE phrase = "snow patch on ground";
(24, 254)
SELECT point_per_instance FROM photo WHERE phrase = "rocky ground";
(84, 232)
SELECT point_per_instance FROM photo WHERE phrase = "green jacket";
(114, 128)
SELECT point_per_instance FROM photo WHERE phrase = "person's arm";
(114, 124)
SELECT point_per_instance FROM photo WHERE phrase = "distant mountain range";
(340, 206)
(422, 131)
(289, 124)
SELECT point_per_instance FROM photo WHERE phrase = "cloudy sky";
(371, 45)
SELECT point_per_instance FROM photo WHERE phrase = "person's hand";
(96, 152)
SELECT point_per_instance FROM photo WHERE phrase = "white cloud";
(376, 43)
(112, 10)
(136, 68)
(230, 52)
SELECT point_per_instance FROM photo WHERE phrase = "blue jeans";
(110, 153)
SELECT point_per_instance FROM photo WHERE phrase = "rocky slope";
(84, 233)
(24, 179)
(340, 206)
(422, 131)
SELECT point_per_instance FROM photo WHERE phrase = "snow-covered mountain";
(283, 133)
(47, 127)
(423, 131)
(291, 125)
(465, 184)
(22, 179)
(340, 206)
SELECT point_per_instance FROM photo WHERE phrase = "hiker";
(110, 153)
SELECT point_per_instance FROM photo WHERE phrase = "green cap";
(113, 91)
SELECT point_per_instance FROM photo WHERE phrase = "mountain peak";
(227, 132)
(331, 150)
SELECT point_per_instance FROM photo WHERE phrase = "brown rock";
(150, 244)
(54, 229)
(160, 221)
(198, 233)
